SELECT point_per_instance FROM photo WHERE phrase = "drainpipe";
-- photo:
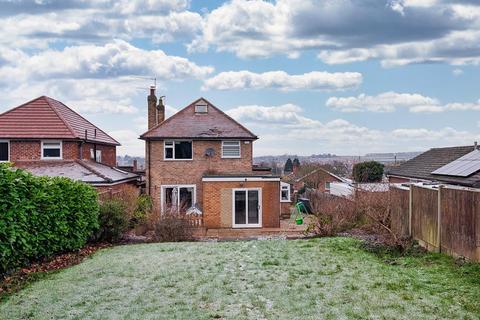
(149, 169)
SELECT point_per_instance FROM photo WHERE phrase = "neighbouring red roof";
(187, 124)
(47, 118)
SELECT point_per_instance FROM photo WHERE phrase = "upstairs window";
(201, 108)
(51, 150)
(4, 150)
(284, 192)
(178, 150)
(230, 149)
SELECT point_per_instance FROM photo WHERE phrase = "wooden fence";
(444, 218)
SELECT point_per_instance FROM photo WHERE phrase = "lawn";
(329, 278)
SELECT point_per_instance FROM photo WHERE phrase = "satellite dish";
(209, 152)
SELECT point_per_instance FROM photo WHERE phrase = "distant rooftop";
(47, 118)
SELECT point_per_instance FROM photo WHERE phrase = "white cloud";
(384, 102)
(314, 80)
(284, 129)
(390, 101)
(457, 72)
(38, 23)
(115, 59)
(412, 31)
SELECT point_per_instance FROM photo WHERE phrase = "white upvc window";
(231, 149)
(178, 150)
(51, 150)
(284, 192)
(4, 150)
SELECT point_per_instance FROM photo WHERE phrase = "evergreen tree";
(288, 166)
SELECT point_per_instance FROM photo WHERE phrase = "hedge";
(42, 216)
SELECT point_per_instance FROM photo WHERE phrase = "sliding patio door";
(247, 209)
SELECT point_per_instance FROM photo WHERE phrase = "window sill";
(178, 159)
(285, 201)
(231, 157)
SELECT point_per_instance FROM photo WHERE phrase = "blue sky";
(345, 77)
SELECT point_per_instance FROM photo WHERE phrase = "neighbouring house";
(451, 165)
(202, 158)
(319, 179)
(47, 138)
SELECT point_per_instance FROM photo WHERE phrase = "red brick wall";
(285, 208)
(109, 155)
(397, 180)
(217, 201)
(24, 150)
(191, 171)
(119, 190)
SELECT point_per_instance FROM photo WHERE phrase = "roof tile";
(45, 117)
(187, 124)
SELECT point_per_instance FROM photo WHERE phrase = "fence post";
(410, 209)
(439, 218)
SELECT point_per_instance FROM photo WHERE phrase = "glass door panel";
(253, 207)
(240, 208)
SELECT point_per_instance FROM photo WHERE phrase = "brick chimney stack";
(160, 110)
(152, 108)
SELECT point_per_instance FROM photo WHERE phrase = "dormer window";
(201, 108)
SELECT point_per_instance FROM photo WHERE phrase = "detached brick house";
(202, 158)
(47, 138)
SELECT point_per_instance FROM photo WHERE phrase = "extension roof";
(47, 118)
(82, 170)
(422, 166)
(186, 124)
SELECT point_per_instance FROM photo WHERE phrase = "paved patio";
(288, 230)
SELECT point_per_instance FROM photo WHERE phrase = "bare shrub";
(334, 214)
(377, 208)
(171, 226)
(370, 211)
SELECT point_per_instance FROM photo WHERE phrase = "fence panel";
(424, 215)
(399, 214)
(459, 212)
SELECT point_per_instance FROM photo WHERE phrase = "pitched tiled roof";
(187, 124)
(47, 118)
(81, 170)
(424, 164)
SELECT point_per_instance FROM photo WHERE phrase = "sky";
(348, 77)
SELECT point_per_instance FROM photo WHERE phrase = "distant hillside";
(385, 158)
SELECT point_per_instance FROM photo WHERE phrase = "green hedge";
(41, 216)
